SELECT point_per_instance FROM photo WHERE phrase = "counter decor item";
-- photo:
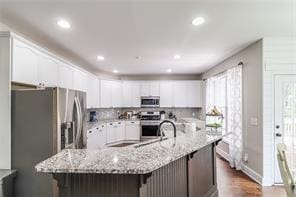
(214, 119)
(93, 116)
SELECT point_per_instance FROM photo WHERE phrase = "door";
(65, 76)
(194, 98)
(132, 130)
(106, 94)
(120, 131)
(111, 132)
(127, 94)
(116, 94)
(285, 120)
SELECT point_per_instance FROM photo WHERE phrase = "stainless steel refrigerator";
(43, 123)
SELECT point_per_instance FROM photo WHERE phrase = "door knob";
(277, 126)
(278, 134)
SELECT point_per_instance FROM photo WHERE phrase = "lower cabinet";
(132, 130)
(96, 137)
(111, 132)
(120, 131)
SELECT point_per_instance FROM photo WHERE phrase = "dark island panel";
(193, 175)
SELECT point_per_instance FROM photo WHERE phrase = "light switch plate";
(254, 121)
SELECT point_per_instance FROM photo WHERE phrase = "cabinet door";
(92, 94)
(106, 94)
(180, 94)
(79, 80)
(116, 94)
(93, 138)
(145, 88)
(24, 64)
(47, 70)
(65, 76)
(132, 130)
(127, 95)
(194, 98)
(102, 135)
(111, 132)
(154, 88)
(166, 94)
(120, 131)
(136, 93)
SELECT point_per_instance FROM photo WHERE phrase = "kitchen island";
(176, 167)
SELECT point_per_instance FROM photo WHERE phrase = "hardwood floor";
(232, 183)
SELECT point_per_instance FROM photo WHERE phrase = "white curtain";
(234, 115)
(233, 111)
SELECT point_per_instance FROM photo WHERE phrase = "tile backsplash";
(112, 113)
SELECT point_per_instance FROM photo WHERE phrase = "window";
(217, 96)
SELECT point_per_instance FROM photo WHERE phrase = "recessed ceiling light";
(115, 71)
(100, 57)
(169, 70)
(176, 57)
(198, 21)
(64, 24)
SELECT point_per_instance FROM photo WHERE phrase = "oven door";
(149, 130)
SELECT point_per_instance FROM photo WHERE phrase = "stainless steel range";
(150, 121)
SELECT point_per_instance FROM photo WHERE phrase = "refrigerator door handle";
(81, 120)
(76, 141)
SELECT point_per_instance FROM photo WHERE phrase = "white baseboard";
(223, 154)
(252, 174)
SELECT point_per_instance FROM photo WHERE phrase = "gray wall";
(5, 122)
(252, 58)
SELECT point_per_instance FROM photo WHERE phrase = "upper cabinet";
(105, 93)
(65, 76)
(93, 92)
(131, 94)
(166, 94)
(180, 94)
(150, 88)
(24, 63)
(111, 93)
(116, 92)
(47, 71)
(194, 94)
(80, 80)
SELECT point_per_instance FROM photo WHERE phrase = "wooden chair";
(287, 177)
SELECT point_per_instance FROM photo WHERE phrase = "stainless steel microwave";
(150, 101)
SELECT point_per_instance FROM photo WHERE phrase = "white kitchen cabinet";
(24, 63)
(65, 76)
(120, 131)
(111, 132)
(105, 94)
(47, 70)
(116, 94)
(194, 96)
(79, 80)
(131, 94)
(93, 92)
(150, 88)
(166, 94)
(132, 130)
(96, 137)
(179, 94)
(127, 100)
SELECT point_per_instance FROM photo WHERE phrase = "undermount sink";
(150, 142)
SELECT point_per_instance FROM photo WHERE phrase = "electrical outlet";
(254, 121)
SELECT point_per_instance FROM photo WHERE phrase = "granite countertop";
(91, 125)
(133, 159)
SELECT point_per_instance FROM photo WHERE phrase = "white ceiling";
(153, 30)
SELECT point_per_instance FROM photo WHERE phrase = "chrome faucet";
(161, 133)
